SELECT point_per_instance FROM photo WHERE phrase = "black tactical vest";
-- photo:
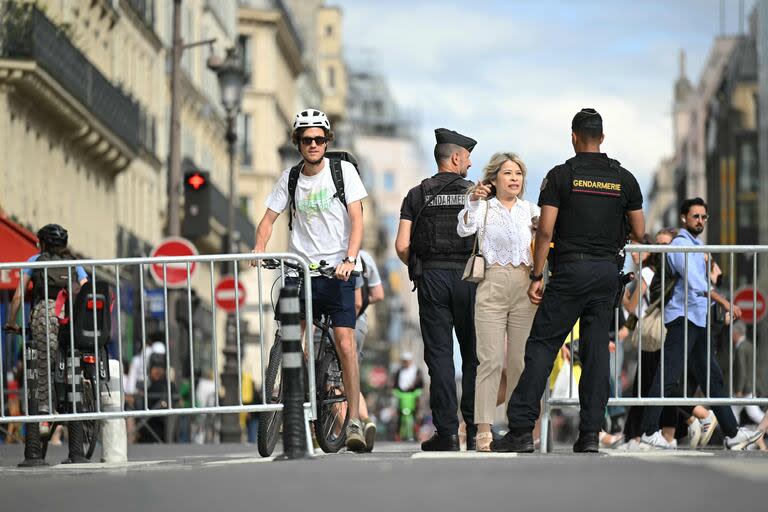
(435, 238)
(592, 219)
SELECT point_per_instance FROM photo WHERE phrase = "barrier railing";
(662, 400)
(104, 289)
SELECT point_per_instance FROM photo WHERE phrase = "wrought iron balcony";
(29, 35)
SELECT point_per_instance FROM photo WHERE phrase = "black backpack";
(335, 158)
(85, 331)
(57, 278)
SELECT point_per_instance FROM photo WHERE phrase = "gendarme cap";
(445, 136)
(587, 118)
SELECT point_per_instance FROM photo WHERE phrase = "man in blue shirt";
(693, 215)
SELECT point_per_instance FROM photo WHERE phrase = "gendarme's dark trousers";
(446, 302)
(579, 290)
(674, 359)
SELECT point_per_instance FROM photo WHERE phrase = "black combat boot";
(588, 442)
(518, 442)
(441, 443)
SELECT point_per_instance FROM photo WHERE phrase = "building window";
(332, 77)
(244, 140)
(246, 205)
(389, 181)
(245, 51)
(329, 30)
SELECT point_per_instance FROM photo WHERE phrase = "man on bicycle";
(324, 229)
(52, 241)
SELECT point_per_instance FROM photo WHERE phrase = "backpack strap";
(338, 180)
(293, 181)
(366, 290)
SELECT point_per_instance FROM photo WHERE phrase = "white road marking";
(655, 454)
(463, 455)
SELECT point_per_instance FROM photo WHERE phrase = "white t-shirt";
(321, 226)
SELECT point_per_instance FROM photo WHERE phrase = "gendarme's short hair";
(587, 119)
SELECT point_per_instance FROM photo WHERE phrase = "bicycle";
(87, 404)
(407, 401)
(332, 411)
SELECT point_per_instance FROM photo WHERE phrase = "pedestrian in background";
(586, 205)
(687, 311)
(436, 255)
(503, 223)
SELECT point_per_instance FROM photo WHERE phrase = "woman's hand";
(482, 191)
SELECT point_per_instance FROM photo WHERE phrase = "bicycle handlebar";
(323, 269)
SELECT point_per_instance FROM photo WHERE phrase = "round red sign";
(744, 298)
(175, 273)
(225, 294)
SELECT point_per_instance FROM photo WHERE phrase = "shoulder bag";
(474, 271)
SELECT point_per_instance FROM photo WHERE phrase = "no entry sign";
(175, 273)
(744, 298)
(225, 294)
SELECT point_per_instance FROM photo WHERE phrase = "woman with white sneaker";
(504, 223)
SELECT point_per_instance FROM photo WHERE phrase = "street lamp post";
(231, 78)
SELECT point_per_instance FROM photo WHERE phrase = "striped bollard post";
(294, 435)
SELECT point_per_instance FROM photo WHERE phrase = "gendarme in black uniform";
(592, 194)
(445, 301)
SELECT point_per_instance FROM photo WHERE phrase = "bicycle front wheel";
(332, 408)
(271, 422)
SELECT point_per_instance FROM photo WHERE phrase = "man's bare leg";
(345, 346)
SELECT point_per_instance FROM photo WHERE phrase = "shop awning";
(16, 244)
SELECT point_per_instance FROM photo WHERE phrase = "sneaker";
(655, 441)
(369, 432)
(707, 428)
(631, 445)
(694, 434)
(355, 439)
(743, 439)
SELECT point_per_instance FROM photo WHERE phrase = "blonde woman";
(504, 222)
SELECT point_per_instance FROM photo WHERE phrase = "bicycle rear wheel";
(332, 408)
(270, 423)
(91, 428)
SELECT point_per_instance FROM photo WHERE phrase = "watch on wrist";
(349, 259)
(533, 277)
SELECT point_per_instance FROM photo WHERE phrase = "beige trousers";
(502, 313)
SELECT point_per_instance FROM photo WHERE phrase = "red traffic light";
(196, 181)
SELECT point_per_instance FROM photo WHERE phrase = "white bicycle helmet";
(310, 118)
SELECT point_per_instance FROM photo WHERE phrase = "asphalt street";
(394, 477)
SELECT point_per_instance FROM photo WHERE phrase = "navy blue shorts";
(335, 298)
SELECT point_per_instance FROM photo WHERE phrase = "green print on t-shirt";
(315, 202)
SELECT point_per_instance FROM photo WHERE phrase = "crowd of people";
(479, 256)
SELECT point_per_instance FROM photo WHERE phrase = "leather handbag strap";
(477, 235)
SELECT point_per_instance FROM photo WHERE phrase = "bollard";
(294, 434)
(114, 439)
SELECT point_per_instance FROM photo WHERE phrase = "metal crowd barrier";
(92, 266)
(706, 400)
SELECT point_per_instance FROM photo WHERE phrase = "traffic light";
(197, 204)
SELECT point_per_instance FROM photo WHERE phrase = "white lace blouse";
(508, 234)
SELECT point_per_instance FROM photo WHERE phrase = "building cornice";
(85, 131)
(286, 35)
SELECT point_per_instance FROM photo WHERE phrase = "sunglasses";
(702, 216)
(319, 140)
